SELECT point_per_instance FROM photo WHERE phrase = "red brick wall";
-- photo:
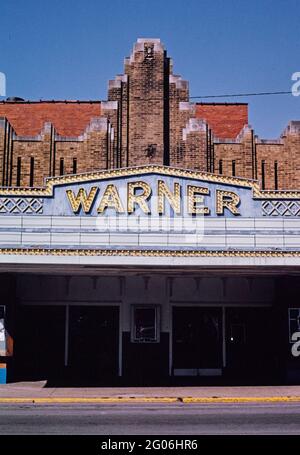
(226, 120)
(68, 118)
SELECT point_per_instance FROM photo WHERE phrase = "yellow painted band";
(186, 400)
(278, 399)
(90, 400)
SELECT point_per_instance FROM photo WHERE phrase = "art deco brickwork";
(147, 119)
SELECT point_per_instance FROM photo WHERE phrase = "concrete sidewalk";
(38, 393)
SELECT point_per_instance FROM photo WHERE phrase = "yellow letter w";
(82, 199)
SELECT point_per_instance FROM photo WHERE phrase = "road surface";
(151, 419)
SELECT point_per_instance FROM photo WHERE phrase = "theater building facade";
(147, 240)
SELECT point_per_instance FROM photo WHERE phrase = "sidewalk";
(37, 393)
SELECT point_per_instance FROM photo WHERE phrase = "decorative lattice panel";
(281, 208)
(21, 205)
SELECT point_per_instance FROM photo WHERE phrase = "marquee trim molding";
(148, 253)
(52, 182)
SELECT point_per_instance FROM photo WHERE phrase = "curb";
(186, 400)
(279, 399)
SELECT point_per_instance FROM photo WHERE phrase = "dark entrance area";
(89, 356)
(39, 343)
(197, 341)
(251, 346)
(93, 345)
(245, 351)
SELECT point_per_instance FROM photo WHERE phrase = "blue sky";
(68, 49)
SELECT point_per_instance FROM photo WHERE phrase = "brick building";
(148, 119)
(150, 254)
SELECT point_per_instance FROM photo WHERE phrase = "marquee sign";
(150, 210)
(149, 191)
(154, 196)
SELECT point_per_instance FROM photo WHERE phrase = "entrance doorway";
(251, 346)
(39, 343)
(93, 345)
(197, 341)
(234, 345)
(76, 349)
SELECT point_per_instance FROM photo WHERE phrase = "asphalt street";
(151, 419)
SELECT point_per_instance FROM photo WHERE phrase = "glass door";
(197, 341)
(250, 345)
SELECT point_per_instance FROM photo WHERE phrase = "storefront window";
(2, 331)
(294, 322)
(145, 324)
